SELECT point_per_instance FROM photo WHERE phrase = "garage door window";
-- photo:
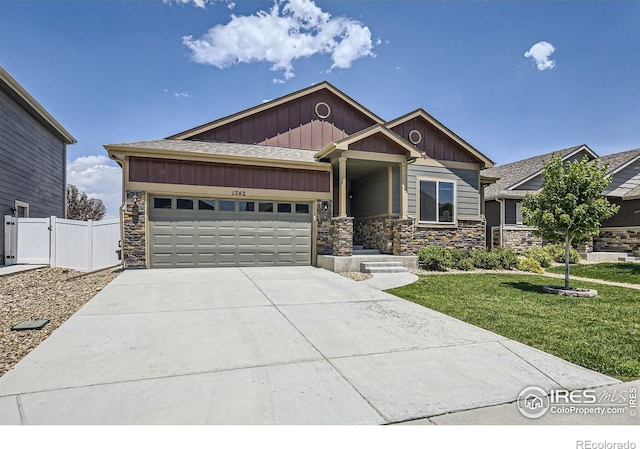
(227, 205)
(265, 207)
(206, 204)
(247, 206)
(162, 203)
(184, 204)
(284, 208)
(302, 208)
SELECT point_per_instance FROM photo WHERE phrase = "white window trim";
(24, 205)
(455, 200)
(519, 212)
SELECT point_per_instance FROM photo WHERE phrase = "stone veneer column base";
(134, 219)
(342, 236)
(468, 234)
(625, 240)
(520, 239)
(324, 228)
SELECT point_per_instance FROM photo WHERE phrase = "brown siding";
(434, 143)
(377, 144)
(227, 175)
(293, 124)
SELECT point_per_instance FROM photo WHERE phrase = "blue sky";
(113, 71)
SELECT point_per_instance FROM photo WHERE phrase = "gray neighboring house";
(503, 201)
(33, 151)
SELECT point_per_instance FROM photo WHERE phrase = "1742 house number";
(238, 193)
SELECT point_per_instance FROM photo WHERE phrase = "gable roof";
(446, 131)
(516, 173)
(274, 103)
(618, 161)
(343, 144)
(27, 102)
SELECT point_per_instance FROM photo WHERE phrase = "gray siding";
(626, 216)
(625, 180)
(32, 165)
(468, 196)
(370, 195)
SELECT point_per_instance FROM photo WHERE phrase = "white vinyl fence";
(79, 245)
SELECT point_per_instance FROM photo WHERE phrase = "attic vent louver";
(415, 137)
(323, 110)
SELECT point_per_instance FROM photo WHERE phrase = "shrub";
(557, 253)
(507, 258)
(484, 259)
(530, 264)
(434, 258)
(460, 259)
(540, 255)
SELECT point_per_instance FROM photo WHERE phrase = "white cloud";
(98, 177)
(540, 53)
(198, 3)
(177, 94)
(277, 81)
(290, 30)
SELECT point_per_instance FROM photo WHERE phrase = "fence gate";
(80, 245)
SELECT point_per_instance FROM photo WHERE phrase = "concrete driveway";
(267, 346)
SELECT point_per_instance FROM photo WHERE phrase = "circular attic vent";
(415, 137)
(323, 110)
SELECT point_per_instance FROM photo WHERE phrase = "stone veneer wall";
(133, 223)
(520, 239)
(342, 236)
(374, 233)
(469, 234)
(324, 228)
(618, 240)
(403, 237)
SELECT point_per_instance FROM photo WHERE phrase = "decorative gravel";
(48, 293)
(356, 275)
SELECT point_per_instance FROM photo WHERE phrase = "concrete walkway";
(269, 346)
(12, 269)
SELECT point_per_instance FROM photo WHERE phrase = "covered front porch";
(370, 195)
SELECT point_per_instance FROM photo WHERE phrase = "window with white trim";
(21, 209)
(436, 202)
(519, 212)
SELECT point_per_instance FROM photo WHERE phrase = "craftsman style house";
(309, 174)
(503, 201)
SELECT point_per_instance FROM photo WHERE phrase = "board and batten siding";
(32, 165)
(467, 189)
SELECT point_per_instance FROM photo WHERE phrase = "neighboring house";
(308, 174)
(503, 200)
(33, 151)
(621, 233)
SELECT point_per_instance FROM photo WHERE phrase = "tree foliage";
(81, 207)
(570, 207)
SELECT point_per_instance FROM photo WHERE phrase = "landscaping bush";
(557, 253)
(530, 264)
(484, 259)
(434, 258)
(460, 259)
(507, 258)
(540, 255)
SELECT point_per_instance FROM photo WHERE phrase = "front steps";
(358, 250)
(383, 267)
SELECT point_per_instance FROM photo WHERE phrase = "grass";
(627, 272)
(602, 333)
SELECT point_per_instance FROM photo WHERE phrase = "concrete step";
(358, 247)
(382, 267)
(365, 252)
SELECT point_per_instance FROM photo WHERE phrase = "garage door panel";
(183, 238)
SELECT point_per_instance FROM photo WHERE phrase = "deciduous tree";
(81, 207)
(570, 207)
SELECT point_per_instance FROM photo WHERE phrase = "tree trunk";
(566, 262)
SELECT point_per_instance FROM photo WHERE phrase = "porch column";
(342, 172)
(404, 193)
(390, 190)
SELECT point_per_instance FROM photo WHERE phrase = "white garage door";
(208, 232)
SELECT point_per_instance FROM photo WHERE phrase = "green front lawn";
(627, 272)
(601, 333)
